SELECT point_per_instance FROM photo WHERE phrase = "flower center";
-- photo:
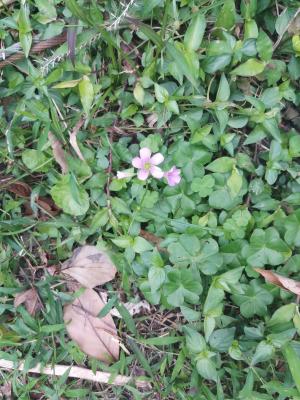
(147, 165)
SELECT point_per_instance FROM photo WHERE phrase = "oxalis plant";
(150, 194)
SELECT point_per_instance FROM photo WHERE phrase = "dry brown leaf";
(5, 390)
(97, 337)
(58, 153)
(48, 205)
(73, 139)
(89, 266)
(21, 189)
(30, 298)
(285, 283)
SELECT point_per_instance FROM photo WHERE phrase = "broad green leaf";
(86, 92)
(293, 361)
(221, 339)
(139, 93)
(207, 369)
(254, 301)
(194, 34)
(223, 90)
(194, 340)
(251, 67)
(63, 196)
(227, 15)
(140, 245)
(235, 182)
(161, 93)
(264, 46)
(222, 164)
(283, 315)
(264, 352)
(183, 62)
(203, 186)
(266, 248)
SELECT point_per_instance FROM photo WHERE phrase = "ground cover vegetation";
(150, 193)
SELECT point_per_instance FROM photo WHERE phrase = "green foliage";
(212, 86)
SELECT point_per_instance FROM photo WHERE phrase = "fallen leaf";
(21, 189)
(73, 139)
(89, 266)
(58, 153)
(48, 205)
(30, 299)
(5, 390)
(97, 337)
(285, 283)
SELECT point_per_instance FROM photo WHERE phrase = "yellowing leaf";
(97, 337)
(251, 67)
(90, 267)
(66, 84)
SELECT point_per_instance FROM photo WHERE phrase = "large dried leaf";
(30, 299)
(285, 283)
(90, 267)
(97, 337)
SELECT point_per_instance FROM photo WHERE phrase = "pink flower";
(173, 176)
(147, 165)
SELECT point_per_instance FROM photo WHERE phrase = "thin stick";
(76, 372)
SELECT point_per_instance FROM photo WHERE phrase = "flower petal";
(137, 162)
(143, 174)
(145, 154)
(156, 159)
(156, 172)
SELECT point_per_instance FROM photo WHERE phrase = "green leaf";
(221, 339)
(264, 352)
(140, 245)
(207, 369)
(264, 46)
(227, 15)
(271, 126)
(184, 62)
(34, 160)
(203, 186)
(235, 182)
(222, 165)
(251, 67)
(86, 92)
(200, 134)
(194, 34)
(254, 301)
(223, 90)
(156, 277)
(161, 93)
(194, 340)
(24, 26)
(182, 287)
(139, 93)
(189, 250)
(283, 315)
(291, 224)
(67, 84)
(266, 248)
(63, 196)
(293, 361)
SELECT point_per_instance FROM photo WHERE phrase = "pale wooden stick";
(77, 372)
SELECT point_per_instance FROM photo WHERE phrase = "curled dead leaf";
(73, 138)
(89, 266)
(58, 153)
(97, 337)
(30, 298)
(285, 283)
